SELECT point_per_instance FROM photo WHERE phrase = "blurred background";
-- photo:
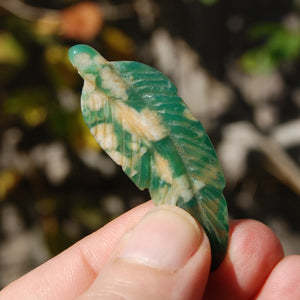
(235, 63)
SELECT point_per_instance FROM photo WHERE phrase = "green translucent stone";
(136, 116)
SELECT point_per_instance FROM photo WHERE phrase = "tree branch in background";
(24, 11)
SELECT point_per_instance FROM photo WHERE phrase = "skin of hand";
(162, 253)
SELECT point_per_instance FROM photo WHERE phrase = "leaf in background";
(59, 69)
(11, 51)
(12, 57)
(8, 180)
(117, 43)
(209, 2)
(134, 113)
(281, 45)
(29, 104)
(257, 61)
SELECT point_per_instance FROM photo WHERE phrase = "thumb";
(165, 256)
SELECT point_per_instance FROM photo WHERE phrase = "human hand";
(165, 256)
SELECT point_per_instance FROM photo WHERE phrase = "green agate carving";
(136, 116)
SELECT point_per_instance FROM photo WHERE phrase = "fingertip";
(253, 242)
(167, 253)
(283, 282)
(253, 252)
(165, 238)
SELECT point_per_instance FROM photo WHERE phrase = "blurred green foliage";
(11, 51)
(12, 56)
(279, 45)
(31, 105)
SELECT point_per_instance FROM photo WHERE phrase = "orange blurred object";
(81, 22)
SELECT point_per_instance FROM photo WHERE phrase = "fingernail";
(165, 238)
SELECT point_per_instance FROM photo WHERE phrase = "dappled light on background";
(11, 51)
(8, 181)
(12, 57)
(35, 116)
(118, 43)
(30, 105)
(236, 65)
